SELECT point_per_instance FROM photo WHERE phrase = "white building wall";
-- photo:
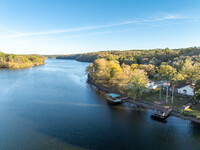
(152, 86)
(188, 89)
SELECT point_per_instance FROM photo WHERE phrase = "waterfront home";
(152, 85)
(185, 89)
(159, 83)
(165, 85)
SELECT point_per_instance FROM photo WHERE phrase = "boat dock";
(158, 111)
(114, 98)
(161, 112)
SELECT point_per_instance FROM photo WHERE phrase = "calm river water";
(51, 107)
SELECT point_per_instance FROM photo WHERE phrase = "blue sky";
(78, 26)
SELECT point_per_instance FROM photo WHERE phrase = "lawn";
(178, 102)
(154, 96)
(192, 112)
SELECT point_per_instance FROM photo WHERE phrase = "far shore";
(21, 68)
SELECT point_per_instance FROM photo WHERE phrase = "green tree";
(196, 72)
(90, 70)
(135, 66)
(124, 77)
(167, 73)
(102, 71)
(167, 50)
(174, 81)
(114, 68)
(188, 71)
(150, 69)
(138, 83)
(197, 90)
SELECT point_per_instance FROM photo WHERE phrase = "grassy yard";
(154, 97)
(192, 112)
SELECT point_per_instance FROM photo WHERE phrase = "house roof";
(192, 86)
(113, 95)
(183, 85)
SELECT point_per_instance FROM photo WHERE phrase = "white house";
(185, 89)
(160, 83)
(152, 85)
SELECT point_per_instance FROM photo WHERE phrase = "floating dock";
(161, 112)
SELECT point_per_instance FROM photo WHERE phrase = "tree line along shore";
(13, 61)
(131, 72)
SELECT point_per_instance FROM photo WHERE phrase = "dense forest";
(13, 61)
(155, 57)
(130, 71)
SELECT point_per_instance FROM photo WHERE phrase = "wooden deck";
(161, 112)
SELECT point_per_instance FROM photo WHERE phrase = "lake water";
(52, 107)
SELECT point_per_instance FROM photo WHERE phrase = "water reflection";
(158, 119)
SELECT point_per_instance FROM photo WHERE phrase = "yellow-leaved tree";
(138, 83)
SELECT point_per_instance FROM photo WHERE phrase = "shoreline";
(23, 67)
(140, 103)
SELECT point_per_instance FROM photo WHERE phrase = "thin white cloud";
(73, 36)
(170, 17)
(51, 32)
(20, 34)
(87, 35)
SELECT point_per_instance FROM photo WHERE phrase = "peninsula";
(13, 61)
